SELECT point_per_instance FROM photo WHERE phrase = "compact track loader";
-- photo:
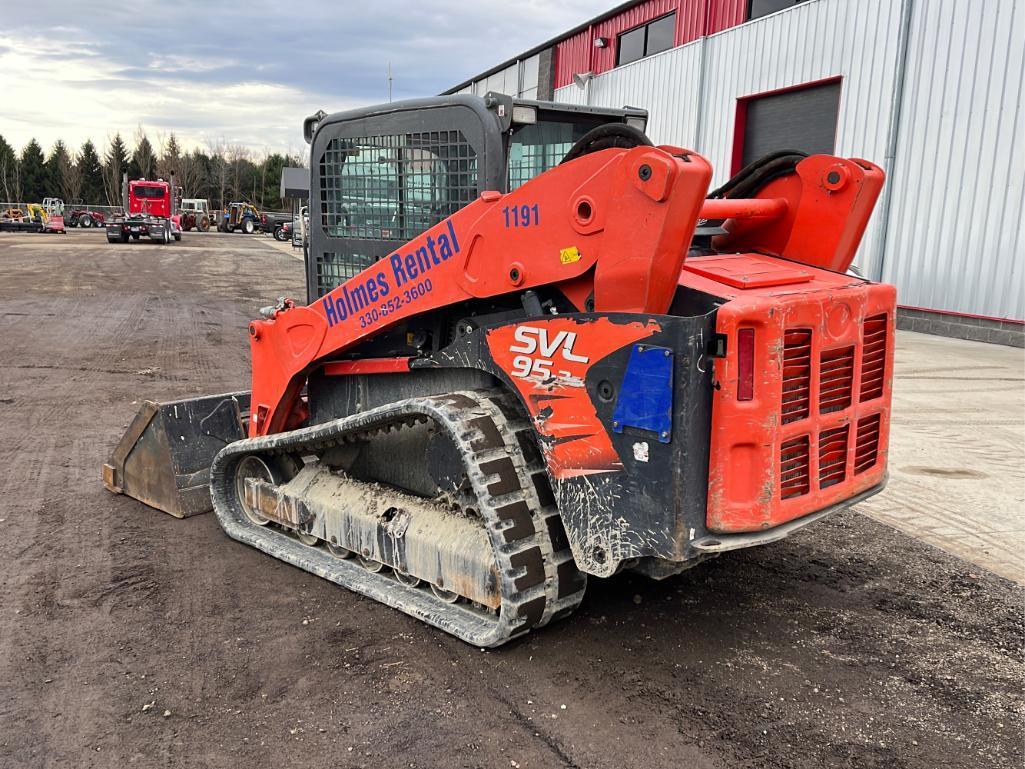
(535, 348)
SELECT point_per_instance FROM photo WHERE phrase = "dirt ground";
(130, 638)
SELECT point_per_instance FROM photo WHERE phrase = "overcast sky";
(251, 74)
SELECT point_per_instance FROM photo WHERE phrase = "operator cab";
(380, 176)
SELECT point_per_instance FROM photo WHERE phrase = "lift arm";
(628, 214)
(614, 225)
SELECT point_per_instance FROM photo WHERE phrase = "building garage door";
(797, 119)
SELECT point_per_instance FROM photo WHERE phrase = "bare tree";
(71, 178)
(8, 170)
(190, 173)
(297, 158)
(219, 168)
(16, 181)
(237, 155)
(115, 164)
(261, 163)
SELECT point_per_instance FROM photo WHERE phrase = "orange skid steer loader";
(534, 347)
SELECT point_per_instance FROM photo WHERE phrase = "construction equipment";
(17, 220)
(151, 210)
(36, 211)
(534, 350)
(242, 217)
(35, 217)
(53, 207)
(53, 215)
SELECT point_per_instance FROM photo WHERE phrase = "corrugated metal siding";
(955, 240)
(956, 233)
(812, 41)
(665, 84)
(605, 58)
(690, 19)
(723, 14)
(572, 55)
(578, 54)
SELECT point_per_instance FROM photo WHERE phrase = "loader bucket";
(164, 457)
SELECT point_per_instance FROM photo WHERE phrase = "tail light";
(745, 364)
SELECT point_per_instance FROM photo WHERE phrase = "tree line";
(224, 173)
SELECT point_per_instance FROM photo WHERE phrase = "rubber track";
(538, 580)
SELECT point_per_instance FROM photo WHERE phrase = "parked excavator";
(536, 348)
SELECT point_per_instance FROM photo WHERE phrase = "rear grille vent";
(866, 446)
(873, 357)
(793, 468)
(832, 456)
(796, 374)
(836, 379)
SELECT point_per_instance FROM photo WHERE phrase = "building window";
(758, 8)
(801, 118)
(651, 38)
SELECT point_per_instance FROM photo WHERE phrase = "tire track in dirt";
(802, 654)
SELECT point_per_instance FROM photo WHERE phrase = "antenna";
(389, 82)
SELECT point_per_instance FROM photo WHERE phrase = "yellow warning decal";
(569, 255)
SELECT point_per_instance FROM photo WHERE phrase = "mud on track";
(849, 645)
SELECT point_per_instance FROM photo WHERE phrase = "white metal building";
(931, 90)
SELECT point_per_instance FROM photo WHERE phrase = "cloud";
(248, 76)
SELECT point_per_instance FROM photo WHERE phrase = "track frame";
(537, 578)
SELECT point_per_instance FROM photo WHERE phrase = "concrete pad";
(957, 450)
(285, 248)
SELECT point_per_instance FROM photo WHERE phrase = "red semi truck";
(151, 210)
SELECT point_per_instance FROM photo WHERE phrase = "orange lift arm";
(614, 225)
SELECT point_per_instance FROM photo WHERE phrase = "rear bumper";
(720, 543)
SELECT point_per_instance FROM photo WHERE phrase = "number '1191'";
(522, 216)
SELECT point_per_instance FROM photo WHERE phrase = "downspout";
(699, 133)
(892, 135)
(590, 65)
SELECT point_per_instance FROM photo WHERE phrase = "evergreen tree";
(144, 159)
(170, 158)
(56, 168)
(92, 174)
(8, 172)
(270, 181)
(32, 167)
(114, 165)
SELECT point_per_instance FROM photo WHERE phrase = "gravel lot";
(130, 638)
